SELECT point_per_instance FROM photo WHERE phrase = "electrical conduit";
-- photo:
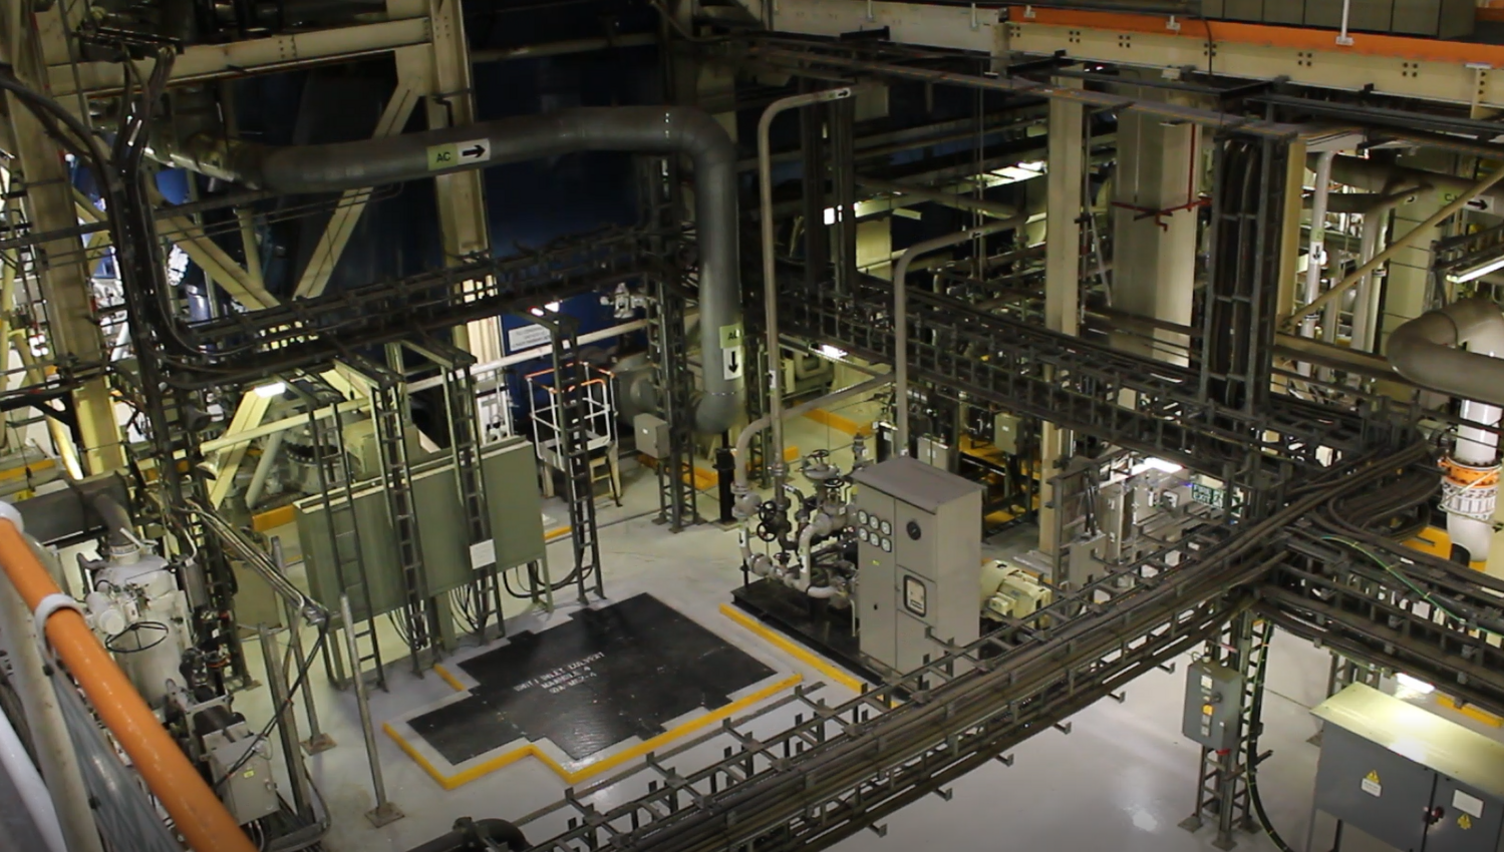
(197, 813)
(636, 129)
(1427, 350)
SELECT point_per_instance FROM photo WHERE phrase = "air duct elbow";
(665, 130)
(1426, 350)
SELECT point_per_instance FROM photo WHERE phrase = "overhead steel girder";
(307, 333)
(1075, 383)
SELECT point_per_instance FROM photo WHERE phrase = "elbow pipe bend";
(637, 129)
(1426, 350)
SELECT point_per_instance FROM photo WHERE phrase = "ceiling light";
(271, 390)
(832, 352)
(1478, 271)
(1156, 464)
(1414, 684)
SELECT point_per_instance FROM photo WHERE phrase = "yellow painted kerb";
(450, 679)
(450, 782)
(791, 648)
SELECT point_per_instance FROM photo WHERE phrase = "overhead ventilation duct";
(1427, 350)
(637, 129)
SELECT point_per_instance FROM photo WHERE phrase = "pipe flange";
(1468, 490)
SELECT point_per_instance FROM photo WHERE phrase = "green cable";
(1397, 575)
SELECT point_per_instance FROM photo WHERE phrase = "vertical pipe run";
(901, 316)
(1316, 254)
(197, 812)
(30, 790)
(769, 265)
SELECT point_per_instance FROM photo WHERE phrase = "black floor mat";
(602, 677)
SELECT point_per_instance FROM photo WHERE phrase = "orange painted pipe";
(198, 814)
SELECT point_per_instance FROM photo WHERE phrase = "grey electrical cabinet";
(1212, 705)
(1409, 777)
(919, 551)
(510, 474)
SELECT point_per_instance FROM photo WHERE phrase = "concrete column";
(1154, 253)
(65, 279)
(1062, 278)
(1409, 278)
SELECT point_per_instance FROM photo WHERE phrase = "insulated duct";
(637, 129)
(1427, 350)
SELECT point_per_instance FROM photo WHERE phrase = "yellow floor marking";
(792, 648)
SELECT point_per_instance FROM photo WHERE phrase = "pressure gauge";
(887, 545)
(861, 516)
(887, 528)
(862, 533)
(873, 522)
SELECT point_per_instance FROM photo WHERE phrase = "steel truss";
(305, 333)
(1077, 384)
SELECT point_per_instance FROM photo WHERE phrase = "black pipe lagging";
(481, 834)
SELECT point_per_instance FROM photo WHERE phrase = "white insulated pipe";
(35, 799)
(1316, 255)
(1427, 350)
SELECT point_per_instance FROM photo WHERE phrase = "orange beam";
(197, 813)
(1295, 38)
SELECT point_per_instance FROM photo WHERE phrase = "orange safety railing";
(198, 814)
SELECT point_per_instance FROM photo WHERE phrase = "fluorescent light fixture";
(1478, 271)
(1414, 684)
(271, 390)
(1156, 464)
(551, 307)
(832, 352)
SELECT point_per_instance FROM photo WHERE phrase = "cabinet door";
(1466, 820)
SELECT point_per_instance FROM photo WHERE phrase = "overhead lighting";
(550, 308)
(1478, 271)
(1156, 464)
(1414, 684)
(270, 390)
(832, 352)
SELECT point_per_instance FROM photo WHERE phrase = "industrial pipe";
(1316, 254)
(1426, 350)
(1410, 236)
(263, 470)
(198, 814)
(770, 264)
(638, 129)
(901, 315)
(744, 439)
(31, 792)
(476, 835)
(56, 756)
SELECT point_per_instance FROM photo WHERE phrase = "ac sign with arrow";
(454, 155)
(731, 362)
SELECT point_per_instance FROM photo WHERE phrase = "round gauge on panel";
(873, 522)
(861, 516)
(862, 533)
(887, 545)
(887, 528)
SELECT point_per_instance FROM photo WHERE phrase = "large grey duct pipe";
(1380, 177)
(638, 129)
(1426, 350)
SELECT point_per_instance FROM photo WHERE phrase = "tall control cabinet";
(919, 552)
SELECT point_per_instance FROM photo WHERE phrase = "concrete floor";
(1122, 780)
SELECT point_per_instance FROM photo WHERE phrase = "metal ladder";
(574, 449)
(344, 546)
(677, 495)
(484, 589)
(396, 477)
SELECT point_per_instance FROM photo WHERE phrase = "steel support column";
(63, 265)
(1062, 274)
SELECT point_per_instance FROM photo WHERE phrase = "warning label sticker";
(1371, 784)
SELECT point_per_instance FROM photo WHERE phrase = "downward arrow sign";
(734, 367)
